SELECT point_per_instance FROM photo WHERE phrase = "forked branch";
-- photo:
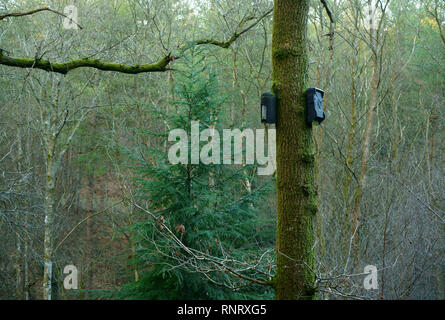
(27, 13)
(160, 66)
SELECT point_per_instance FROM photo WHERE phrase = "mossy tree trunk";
(296, 189)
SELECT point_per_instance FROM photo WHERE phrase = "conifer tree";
(206, 205)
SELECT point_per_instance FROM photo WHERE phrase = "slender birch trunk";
(49, 219)
(18, 263)
(18, 257)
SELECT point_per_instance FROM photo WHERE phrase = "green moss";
(308, 157)
(66, 67)
(283, 53)
(296, 189)
(310, 292)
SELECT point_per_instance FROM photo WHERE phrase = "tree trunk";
(27, 239)
(18, 263)
(296, 189)
(18, 257)
(49, 221)
(365, 156)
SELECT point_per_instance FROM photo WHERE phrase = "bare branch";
(328, 11)
(193, 256)
(236, 34)
(160, 66)
(21, 14)
(82, 221)
(65, 67)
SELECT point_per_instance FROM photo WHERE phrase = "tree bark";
(365, 156)
(49, 221)
(296, 189)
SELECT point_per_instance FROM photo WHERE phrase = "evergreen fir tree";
(206, 205)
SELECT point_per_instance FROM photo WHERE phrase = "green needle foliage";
(206, 206)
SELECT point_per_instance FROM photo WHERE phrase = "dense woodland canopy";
(84, 173)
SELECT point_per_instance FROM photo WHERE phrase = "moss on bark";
(296, 189)
(66, 67)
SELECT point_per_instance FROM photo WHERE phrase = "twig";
(328, 11)
(160, 66)
(27, 13)
(82, 221)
